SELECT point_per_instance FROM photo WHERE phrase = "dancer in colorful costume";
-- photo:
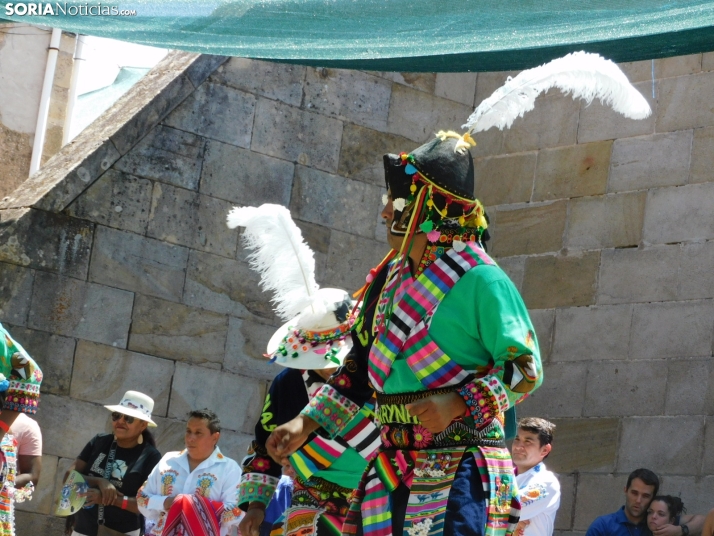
(444, 337)
(311, 345)
(20, 380)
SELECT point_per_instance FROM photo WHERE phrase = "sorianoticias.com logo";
(21, 9)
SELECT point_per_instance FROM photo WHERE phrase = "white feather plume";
(581, 74)
(286, 264)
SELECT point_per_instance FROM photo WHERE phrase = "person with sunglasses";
(115, 466)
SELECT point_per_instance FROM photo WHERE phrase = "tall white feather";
(581, 74)
(286, 264)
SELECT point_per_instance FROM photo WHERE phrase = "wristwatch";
(685, 530)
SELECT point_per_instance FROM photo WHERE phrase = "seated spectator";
(630, 520)
(538, 488)
(193, 491)
(665, 518)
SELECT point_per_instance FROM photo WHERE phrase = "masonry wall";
(124, 276)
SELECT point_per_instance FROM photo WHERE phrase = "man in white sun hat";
(310, 345)
(115, 465)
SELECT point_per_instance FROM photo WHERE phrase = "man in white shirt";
(538, 488)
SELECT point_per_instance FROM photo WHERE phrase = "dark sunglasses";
(116, 416)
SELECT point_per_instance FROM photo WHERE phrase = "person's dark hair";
(536, 425)
(213, 422)
(674, 504)
(647, 476)
(148, 438)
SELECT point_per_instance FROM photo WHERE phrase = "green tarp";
(401, 35)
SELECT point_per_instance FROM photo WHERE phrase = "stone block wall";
(117, 270)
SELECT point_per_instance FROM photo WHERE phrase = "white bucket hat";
(315, 341)
(135, 404)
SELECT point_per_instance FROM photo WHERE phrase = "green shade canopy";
(401, 35)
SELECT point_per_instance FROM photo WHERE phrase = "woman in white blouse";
(196, 488)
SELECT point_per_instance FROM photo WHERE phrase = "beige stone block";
(246, 347)
(67, 425)
(14, 159)
(198, 387)
(708, 61)
(175, 331)
(672, 329)
(600, 122)
(235, 444)
(260, 179)
(459, 87)
(690, 387)
(641, 444)
(584, 445)
(102, 374)
(696, 492)
(348, 95)
(116, 200)
(696, 278)
(167, 155)
(417, 115)
(350, 258)
(318, 238)
(43, 497)
(708, 457)
(501, 180)
(296, 135)
(544, 323)
(592, 333)
(560, 281)
(53, 353)
(514, 268)
(702, 159)
(53, 143)
(679, 214)
(656, 160)
(528, 230)
(226, 286)
(574, 171)
(678, 66)
(191, 219)
(637, 71)
(487, 83)
(560, 113)
(564, 515)
(362, 151)
(73, 308)
(130, 262)
(277, 81)
(30, 524)
(639, 275)
(488, 143)
(15, 293)
(606, 221)
(217, 112)
(336, 202)
(47, 241)
(58, 105)
(550, 400)
(683, 102)
(597, 495)
(422, 81)
(635, 388)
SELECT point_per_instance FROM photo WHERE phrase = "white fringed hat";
(319, 337)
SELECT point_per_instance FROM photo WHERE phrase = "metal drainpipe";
(73, 85)
(44, 111)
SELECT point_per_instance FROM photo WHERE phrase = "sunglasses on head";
(116, 416)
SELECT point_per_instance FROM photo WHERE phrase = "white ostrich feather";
(286, 264)
(580, 74)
